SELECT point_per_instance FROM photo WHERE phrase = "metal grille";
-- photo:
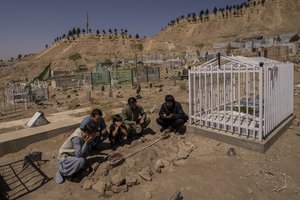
(244, 96)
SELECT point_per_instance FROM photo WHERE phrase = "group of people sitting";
(93, 131)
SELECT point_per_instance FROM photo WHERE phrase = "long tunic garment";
(71, 157)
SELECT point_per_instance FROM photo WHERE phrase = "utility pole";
(87, 23)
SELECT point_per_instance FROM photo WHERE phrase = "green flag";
(45, 75)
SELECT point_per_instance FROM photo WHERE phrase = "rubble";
(99, 187)
(185, 148)
(118, 180)
(231, 152)
(87, 185)
(158, 165)
(146, 174)
(130, 181)
(95, 166)
(148, 195)
(154, 110)
(116, 189)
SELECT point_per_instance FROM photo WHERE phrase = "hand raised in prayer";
(89, 139)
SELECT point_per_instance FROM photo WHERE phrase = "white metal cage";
(243, 96)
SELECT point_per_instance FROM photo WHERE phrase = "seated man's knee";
(180, 121)
(147, 121)
(159, 121)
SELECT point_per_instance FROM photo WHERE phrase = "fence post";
(4, 99)
(190, 97)
(109, 77)
(14, 100)
(261, 101)
(147, 77)
(158, 72)
(131, 77)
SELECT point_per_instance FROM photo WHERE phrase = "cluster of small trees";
(203, 15)
(76, 32)
(294, 38)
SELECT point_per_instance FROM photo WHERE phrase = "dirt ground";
(202, 171)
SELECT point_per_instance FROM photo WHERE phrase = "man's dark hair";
(131, 100)
(116, 118)
(90, 128)
(96, 112)
(169, 98)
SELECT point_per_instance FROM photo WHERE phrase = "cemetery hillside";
(192, 34)
(206, 108)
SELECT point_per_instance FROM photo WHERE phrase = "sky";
(27, 26)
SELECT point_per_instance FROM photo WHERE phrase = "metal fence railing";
(107, 77)
(244, 96)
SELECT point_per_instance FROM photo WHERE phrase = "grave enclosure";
(249, 99)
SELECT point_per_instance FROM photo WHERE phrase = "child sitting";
(117, 131)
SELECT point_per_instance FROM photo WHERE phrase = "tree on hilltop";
(46, 46)
(206, 12)
(83, 30)
(215, 10)
(137, 36)
(78, 32)
(103, 31)
(294, 38)
(278, 39)
(201, 13)
(97, 32)
(110, 31)
(137, 48)
(75, 57)
(73, 31)
(116, 31)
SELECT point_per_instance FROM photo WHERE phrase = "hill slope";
(275, 17)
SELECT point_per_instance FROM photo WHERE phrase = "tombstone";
(38, 119)
(88, 96)
(174, 81)
(110, 94)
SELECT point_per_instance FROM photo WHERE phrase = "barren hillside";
(273, 18)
